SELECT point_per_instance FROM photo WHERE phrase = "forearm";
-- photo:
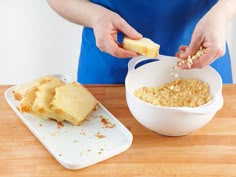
(226, 8)
(82, 12)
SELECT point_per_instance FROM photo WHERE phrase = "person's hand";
(106, 27)
(210, 33)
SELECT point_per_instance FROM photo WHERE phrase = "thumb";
(128, 30)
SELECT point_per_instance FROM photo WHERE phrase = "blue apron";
(168, 23)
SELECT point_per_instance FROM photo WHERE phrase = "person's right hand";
(106, 26)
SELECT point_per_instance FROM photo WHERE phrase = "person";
(177, 25)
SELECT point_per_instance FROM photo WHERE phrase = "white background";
(35, 41)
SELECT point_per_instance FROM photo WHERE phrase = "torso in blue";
(168, 23)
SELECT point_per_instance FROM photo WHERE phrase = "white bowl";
(170, 121)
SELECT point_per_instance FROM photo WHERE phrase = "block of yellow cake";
(43, 97)
(73, 102)
(28, 100)
(143, 46)
(37, 96)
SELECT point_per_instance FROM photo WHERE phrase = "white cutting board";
(98, 138)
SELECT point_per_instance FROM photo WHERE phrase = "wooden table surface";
(210, 151)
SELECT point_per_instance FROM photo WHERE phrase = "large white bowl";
(170, 121)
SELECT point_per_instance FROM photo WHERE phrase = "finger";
(182, 65)
(193, 47)
(180, 53)
(128, 31)
(182, 48)
(109, 45)
(114, 49)
(208, 56)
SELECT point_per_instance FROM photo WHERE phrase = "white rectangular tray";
(99, 137)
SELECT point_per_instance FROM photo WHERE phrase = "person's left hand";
(210, 33)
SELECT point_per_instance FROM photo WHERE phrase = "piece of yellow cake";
(31, 99)
(20, 90)
(43, 97)
(73, 102)
(143, 46)
(28, 100)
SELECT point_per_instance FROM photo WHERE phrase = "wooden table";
(210, 151)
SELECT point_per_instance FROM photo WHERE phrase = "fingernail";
(139, 35)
